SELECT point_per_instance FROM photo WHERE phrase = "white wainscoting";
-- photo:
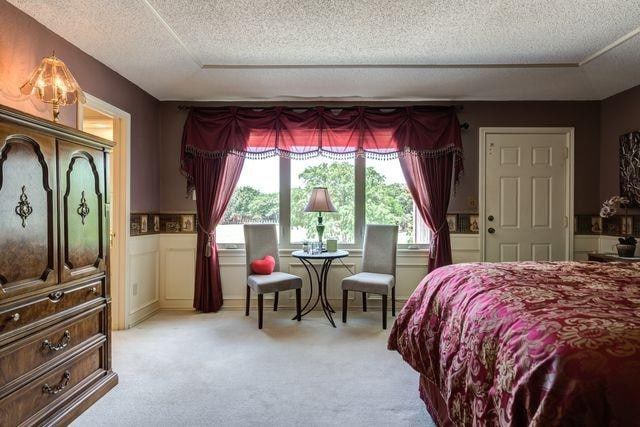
(143, 289)
(177, 271)
(163, 266)
(584, 245)
(177, 255)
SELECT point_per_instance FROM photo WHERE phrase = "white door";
(527, 209)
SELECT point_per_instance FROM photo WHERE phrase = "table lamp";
(320, 202)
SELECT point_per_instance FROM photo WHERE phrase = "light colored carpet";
(189, 369)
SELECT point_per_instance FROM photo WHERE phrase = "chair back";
(380, 247)
(261, 240)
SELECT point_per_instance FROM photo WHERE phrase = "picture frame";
(172, 227)
(144, 224)
(187, 223)
(452, 222)
(474, 224)
(156, 223)
(134, 228)
(629, 170)
(596, 224)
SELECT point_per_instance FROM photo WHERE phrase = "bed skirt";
(436, 405)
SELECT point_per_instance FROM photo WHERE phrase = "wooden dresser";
(55, 334)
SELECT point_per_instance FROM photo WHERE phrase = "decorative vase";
(627, 251)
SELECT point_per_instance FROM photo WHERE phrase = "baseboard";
(142, 314)
(354, 306)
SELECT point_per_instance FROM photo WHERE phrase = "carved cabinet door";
(28, 259)
(82, 211)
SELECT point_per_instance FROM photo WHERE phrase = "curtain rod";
(463, 125)
(457, 107)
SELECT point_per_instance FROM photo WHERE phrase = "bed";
(543, 344)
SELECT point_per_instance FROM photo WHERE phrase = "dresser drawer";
(35, 311)
(30, 403)
(37, 352)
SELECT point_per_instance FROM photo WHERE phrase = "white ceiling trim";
(620, 41)
(615, 44)
(383, 66)
(173, 34)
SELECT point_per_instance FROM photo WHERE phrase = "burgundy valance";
(304, 132)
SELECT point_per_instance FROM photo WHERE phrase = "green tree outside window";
(386, 203)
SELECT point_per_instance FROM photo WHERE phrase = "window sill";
(285, 252)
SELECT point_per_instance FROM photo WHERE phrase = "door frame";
(569, 133)
(121, 158)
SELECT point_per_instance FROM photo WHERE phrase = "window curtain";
(429, 181)
(216, 140)
(214, 180)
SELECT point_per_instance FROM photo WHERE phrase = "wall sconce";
(53, 83)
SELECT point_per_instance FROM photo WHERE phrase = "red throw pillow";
(264, 265)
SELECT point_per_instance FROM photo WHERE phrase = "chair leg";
(345, 299)
(384, 312)
(364, 301)
(275, 302)
(247, 302)
(260, 307)
(393, 301)
(298, 303)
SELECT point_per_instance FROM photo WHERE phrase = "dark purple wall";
(583, 115)
(24, 42)
(619, 114)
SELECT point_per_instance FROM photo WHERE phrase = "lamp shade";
(53, 83)
(320, 201)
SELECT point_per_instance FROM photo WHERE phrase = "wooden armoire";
(55, 332)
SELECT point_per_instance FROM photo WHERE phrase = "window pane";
(388, 201)
(254, 201)
(339, 178)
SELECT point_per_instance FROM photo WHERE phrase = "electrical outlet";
(134, 289)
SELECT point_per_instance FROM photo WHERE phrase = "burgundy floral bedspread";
(527, 343)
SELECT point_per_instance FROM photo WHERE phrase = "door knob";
(490, 218)
(491, 230)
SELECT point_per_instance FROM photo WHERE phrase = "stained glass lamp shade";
(53, 83)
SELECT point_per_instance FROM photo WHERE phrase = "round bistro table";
(320, 279)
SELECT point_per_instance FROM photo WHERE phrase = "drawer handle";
(15, 317)
(66, 377)
(64, 341)
(56, 296)
(94, 290)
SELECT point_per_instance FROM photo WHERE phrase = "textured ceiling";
(464, 49)
(394, 31)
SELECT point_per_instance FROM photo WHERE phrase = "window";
(388, 201)
(339, 177)
(255, 200)
(276, 190)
